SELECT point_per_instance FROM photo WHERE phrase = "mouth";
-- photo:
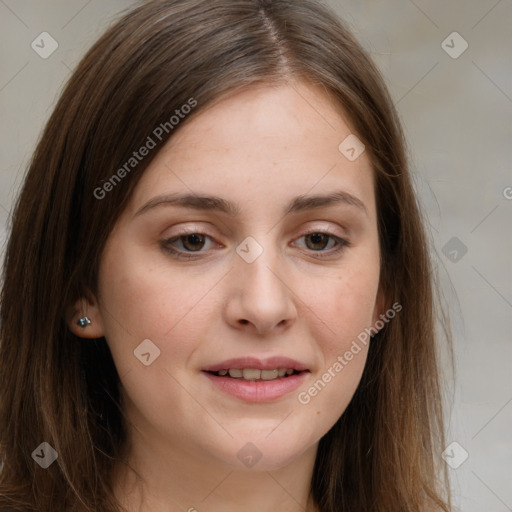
(254, 380)
(255, 373)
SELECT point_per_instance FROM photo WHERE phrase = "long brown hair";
(382, 455)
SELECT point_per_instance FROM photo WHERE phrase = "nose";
(260, 298)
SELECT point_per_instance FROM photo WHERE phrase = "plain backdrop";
(448, 66)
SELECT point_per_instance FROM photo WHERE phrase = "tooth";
(222, 372)
(235, 372)
(269, 374)
(282, 372)
(250, 373)
(289, 371)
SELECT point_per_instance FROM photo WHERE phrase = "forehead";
(261, 143)
(271, 115)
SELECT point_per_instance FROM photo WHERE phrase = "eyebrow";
(214, 203)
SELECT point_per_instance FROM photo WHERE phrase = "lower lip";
(258, 390)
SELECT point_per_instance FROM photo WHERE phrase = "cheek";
(344, 310)
(343, 304)
(342, 307)
(141, 301)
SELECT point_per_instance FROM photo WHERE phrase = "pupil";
(195, 239)
(317, 238)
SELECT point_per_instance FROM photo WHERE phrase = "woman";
(217, 292)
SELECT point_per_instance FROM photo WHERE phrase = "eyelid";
(196, 229)
(321, 229)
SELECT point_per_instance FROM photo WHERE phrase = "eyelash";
(341, 244)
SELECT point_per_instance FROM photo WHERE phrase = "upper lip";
(270, 363)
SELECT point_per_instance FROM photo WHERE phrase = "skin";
(259, 148)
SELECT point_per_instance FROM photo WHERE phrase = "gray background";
(457, 115)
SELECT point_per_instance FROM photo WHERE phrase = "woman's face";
(231, 255)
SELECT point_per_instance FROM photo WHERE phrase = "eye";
(318, 241)
(191, 242)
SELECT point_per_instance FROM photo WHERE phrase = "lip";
(257, 391)
(269, 363)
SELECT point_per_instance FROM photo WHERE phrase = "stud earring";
(84, 321)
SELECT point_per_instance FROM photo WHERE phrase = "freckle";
(318, 412)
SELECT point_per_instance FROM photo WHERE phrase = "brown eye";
(319, 241)
(188, 245)
(193, 241)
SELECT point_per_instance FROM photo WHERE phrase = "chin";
(264, 453)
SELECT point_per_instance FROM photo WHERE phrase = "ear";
(85, 307)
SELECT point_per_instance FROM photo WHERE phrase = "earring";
(84, 321)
